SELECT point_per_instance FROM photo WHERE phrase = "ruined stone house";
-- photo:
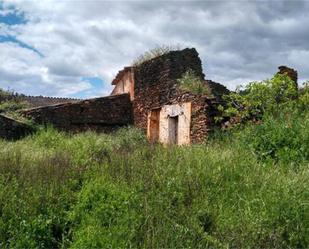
(146, 96)
(165, 113)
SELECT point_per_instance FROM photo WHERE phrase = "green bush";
(259, 98)
(283, 137)
(106, 215)
(4, 93)
(303, 100)
(189, 82)
(12, 106)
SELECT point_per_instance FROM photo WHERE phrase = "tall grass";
(96, 191)
(154, 53)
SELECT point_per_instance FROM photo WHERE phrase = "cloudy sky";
(74, 48)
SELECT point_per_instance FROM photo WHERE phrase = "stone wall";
(100, 114)
(216, 89)
(156, 85)
(124, 82)
(202, 114)
(12, 129)
(171, 118)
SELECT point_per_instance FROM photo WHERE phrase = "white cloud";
(24, 71)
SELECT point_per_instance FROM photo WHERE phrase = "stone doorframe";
(170, 124)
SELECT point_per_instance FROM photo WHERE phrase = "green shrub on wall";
(189, 82)
(154, 53)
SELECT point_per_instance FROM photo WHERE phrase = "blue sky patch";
(96, 82)
(14, 17)
(98, 87)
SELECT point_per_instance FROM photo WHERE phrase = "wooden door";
(173, 130)
(154, 126)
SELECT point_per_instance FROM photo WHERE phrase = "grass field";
(242, 189)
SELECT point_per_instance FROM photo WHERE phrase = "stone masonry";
(140, 91)
(12, 129)
(100, 114)
(156, 85)
(146, 96)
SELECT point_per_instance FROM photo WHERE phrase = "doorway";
(173, 130)
(154, 125)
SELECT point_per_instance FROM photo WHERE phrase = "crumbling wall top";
(292, 73)
(120, 74)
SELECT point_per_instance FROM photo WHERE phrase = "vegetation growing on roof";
(189, 82)
(153, 53)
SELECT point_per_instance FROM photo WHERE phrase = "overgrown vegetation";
(4, 93)
(10, 94)
(189, 82)
(12, 106)
(259, 98)
(97, 191)
(153, 53)
(244, 188)
(11, 103)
